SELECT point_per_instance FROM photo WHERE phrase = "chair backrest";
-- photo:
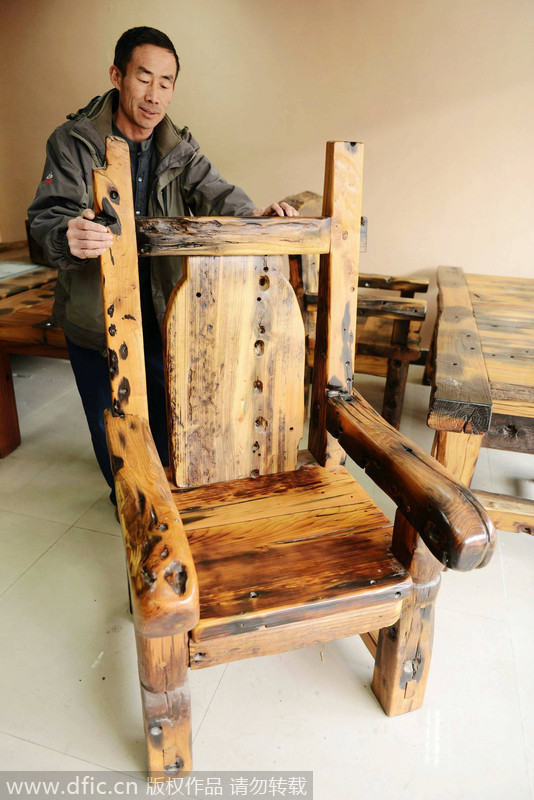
(234, 334)
(234, 346)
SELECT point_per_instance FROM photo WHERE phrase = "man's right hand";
(88, 239)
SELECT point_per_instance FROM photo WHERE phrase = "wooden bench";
(481, 368)
(25, 328)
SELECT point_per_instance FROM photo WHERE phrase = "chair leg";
(163, 664)
(395, 390)
(404, 650)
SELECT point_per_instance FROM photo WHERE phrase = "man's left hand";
(276, 210)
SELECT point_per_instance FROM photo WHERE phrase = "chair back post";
(113, 200)
(338, 284)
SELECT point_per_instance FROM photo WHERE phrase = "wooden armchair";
(243, 547)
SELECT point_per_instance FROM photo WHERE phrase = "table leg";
(458, 452)
(9, 421)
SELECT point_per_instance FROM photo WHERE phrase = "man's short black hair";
(134, 37)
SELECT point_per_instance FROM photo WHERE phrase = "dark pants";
(92, 379)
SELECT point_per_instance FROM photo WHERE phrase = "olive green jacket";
(184, 183)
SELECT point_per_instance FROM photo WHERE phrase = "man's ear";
(115, 76)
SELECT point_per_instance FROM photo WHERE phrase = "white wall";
(440, 91)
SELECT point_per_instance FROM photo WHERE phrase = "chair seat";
(291, 549)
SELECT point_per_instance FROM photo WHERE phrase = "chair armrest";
(163, 580)
(452, 523)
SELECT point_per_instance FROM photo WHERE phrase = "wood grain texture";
(461, 396)
(163, 581)
(503, 309)
(508, 513)
(338, 282)
(510, 432)
(26, 326)
(404, 650)
(458, 452)
(166, 701)
(232, 236)
(113, 199)
(268, 641)
(452, 523)
(32, 279)
(234, 330)
(295, 546)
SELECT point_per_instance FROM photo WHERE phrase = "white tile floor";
(70, 697)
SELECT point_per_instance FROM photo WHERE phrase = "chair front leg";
(404, 649)
(163, 664)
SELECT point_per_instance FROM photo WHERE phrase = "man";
(170, 177)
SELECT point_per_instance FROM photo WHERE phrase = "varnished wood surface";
(163, 582)
(452, 523)
(25, 323)
(35, 277)
(288, 547)
(461, 395)
(233, 327)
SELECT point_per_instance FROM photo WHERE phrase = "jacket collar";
(94, 122)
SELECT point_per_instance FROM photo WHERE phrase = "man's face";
(145, 91)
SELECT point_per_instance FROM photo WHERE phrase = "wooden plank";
(399, 309)
(454, 527)
(233, 327)
(25, 323)
(338, 282)
(29, 280)
(392, 282)
(163, 581)
(120, 282)
(508, 432)
(514, 514)
(232, 236)
(166, 700)
(311, 491)
(268, 641)
(461, 396)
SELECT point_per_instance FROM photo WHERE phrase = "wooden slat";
(268, 641)
(232, 236)
(233, 327)
(503, 309)
(401, 309)
(120, 278)
(461, 396)
(508, 513)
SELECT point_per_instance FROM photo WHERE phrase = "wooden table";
(482, 376)
(25, 328)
